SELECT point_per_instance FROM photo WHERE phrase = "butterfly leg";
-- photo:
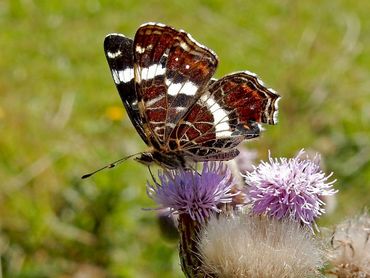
(153, 178)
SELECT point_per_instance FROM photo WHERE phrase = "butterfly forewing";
(119, 53)
(171, 72)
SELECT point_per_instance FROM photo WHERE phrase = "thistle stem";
(191, 263)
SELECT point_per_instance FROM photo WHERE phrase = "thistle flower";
(289, 188)
(193, 193)
(253, 246)
(349, 254)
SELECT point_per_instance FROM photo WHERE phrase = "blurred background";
(61, 117)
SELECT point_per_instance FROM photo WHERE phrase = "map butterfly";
(164, 79)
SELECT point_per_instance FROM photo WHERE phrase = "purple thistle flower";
(192, 193)
(289, 188)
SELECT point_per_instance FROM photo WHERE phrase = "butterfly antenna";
(110, 165)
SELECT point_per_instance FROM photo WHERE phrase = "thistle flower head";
(289, 188)
(193, 193)
(349, 255)
(252, 246)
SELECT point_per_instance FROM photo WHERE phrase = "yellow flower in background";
(114, 113)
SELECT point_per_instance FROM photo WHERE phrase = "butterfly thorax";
(169, 160)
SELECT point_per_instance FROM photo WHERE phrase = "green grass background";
(56, 89)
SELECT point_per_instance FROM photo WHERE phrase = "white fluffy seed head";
(349, 254)
(252, 246)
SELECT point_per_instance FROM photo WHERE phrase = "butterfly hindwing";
(226, 114)
(244, 94)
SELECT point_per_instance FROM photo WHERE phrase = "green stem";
(191, 263)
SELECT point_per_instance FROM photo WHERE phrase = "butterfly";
(164, 79)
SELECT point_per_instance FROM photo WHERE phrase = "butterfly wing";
(246, 99)
(171, 72)
(164, 80)
(229, 112)
(119, 53)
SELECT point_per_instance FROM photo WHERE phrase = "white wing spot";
(153, 23)
(251, 73)
(187, 67)
(167, 82)
(187, 88)
(113, 55)
(152, 71)
(140, 49)
(128, 74)
(220, 117)
(180, 109)
(174, 89)
(123, 76)
(184, 46)
(115, 76)
(276, 106)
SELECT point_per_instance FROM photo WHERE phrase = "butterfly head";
(145, 158)
(166, 160)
